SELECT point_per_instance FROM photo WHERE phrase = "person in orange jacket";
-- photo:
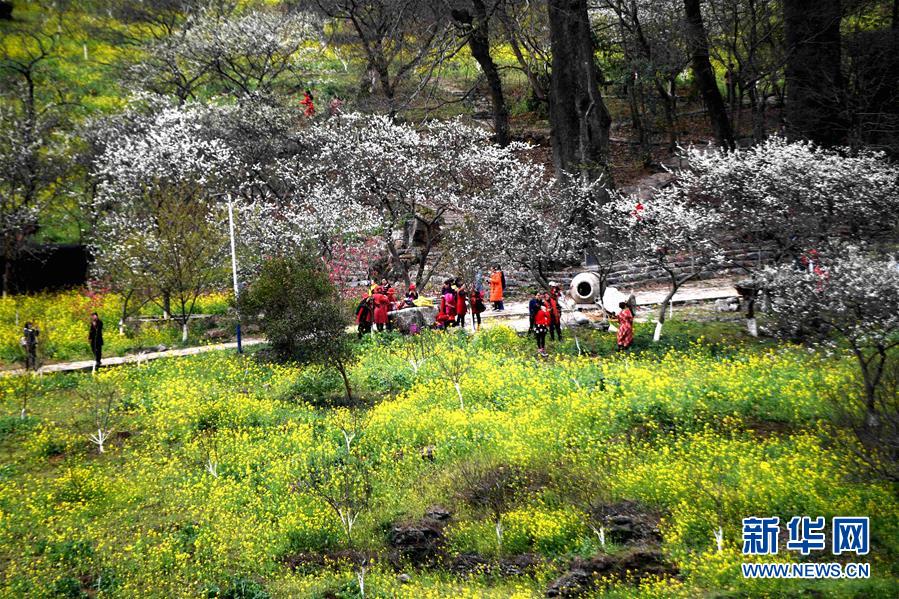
(497, 287)
(541, 325)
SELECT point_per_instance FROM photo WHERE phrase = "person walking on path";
(541, 326)
(555, 311)
(497, 287)
(29, 342)
(95, 337)
(625, 326)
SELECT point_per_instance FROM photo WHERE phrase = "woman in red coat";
(625, 326)
(555, 311)
(461, 305)
(381, 308)
(308, 103)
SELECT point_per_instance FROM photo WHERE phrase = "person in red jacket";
(555, 311)
(541, 325)
(381, 308)
(364, 315)
(309, 104)
(461, 304)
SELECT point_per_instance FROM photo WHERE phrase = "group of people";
(335, 106)
(30, 334)
(376, 304)
(545, 316)
(455, 302)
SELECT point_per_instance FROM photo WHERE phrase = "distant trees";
(392, 37)
(254, 52)
(33, 123)
(473, 18)
(705, 76)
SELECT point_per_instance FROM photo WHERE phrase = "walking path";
(514, 316)
(135, 358)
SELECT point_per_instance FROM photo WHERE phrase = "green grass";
(703, 432)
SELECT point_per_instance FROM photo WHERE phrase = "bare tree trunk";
(7, 274)
(341, 368)
(705, 76)
(477, 28)
(634, 97)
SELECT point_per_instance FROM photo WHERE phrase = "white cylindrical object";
(658, 334)
(585, 288)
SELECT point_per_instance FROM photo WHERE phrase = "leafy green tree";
(300, 312)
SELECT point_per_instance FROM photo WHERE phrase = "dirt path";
(135, 358)
(514, 316)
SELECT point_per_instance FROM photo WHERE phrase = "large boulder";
(613, 297)
(422, 317)
(632, 566)
(727, 304)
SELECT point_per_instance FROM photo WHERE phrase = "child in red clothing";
(541, 325)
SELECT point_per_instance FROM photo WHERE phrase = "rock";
(577, 319)
(438, 513)
(601, 325)
(730, 304)
(472, 564)
(633, 566)
(418, 541)
(581, 577)
(643, 563)
(422, 317)
(628, 522)
(403, 578)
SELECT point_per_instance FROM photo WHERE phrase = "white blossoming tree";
(851, 297)
(158, 209)
(370, 175)
(670, 231)
(787, 196)
(851, 300)
(785, 199)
